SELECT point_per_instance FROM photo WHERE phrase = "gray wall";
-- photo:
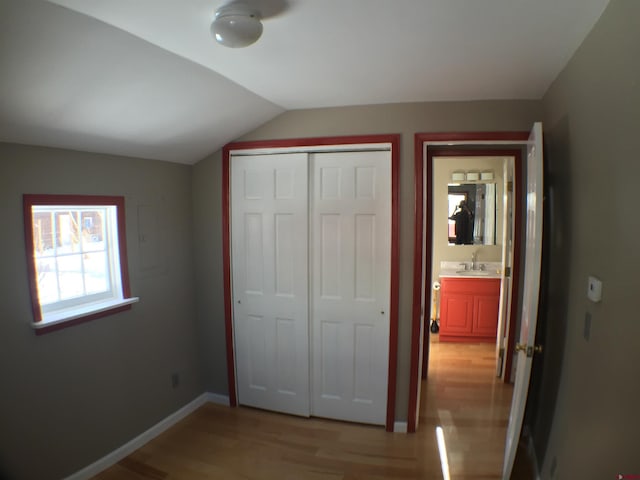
(406, 119)
(586, 417)
(71, 396)
(207, 228)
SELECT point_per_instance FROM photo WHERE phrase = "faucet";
(474, 260)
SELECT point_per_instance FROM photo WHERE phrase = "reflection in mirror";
(472, 214)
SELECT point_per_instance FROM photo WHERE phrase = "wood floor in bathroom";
(462, 395)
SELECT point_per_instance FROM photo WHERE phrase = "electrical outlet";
(175, 380)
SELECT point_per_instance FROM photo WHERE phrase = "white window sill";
(82, 311)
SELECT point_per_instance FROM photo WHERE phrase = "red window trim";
(30, 200)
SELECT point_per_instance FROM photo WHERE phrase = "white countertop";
(457, 270)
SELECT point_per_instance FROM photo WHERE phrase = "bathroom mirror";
(472, 214)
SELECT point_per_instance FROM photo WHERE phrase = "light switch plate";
(594, 289)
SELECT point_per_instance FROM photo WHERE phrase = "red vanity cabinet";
(469, 309)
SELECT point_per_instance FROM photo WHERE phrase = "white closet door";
(351, 252)
(269, 225)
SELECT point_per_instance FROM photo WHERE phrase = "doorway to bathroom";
(531, 199)
(462, 150)
(475, 230)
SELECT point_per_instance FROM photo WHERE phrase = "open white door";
(531, 288)
(269, 222)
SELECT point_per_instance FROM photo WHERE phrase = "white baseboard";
(217, 398)
(400, 427)
(131, 446)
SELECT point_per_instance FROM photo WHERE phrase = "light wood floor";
(217, 442)
(471, 404)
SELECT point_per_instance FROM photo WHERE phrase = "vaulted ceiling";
(145, 78)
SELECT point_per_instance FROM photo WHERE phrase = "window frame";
(90, 310)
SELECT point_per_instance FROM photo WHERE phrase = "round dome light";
(236, 25)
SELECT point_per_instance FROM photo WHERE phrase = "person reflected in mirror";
(463, 216)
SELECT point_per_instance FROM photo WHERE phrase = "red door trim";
(423, 222)
(394, 140)
(226, 267)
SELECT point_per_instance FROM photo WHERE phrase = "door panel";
(529, 316)
(364, 358)
(351, 251)
(329, 267)
(330, 360)
(257, 352)
(252, 252)
(269, 224)
(365, 229)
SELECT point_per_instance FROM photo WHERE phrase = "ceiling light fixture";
(236, 25)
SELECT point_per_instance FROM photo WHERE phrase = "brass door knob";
(520, 347)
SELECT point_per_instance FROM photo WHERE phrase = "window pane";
(43, 233)
(68, 231)
(70, 276)
(47, 280)
(96, 272)
(93, 231)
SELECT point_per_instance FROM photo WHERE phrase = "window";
(77, 258)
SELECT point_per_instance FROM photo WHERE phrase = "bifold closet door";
(351, 259)
(269, 231)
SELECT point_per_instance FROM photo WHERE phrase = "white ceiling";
(145, 78)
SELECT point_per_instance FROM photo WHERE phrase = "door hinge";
(507, 271)
(509, 186)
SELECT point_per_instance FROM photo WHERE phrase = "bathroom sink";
(456, 269)
(473, 273)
